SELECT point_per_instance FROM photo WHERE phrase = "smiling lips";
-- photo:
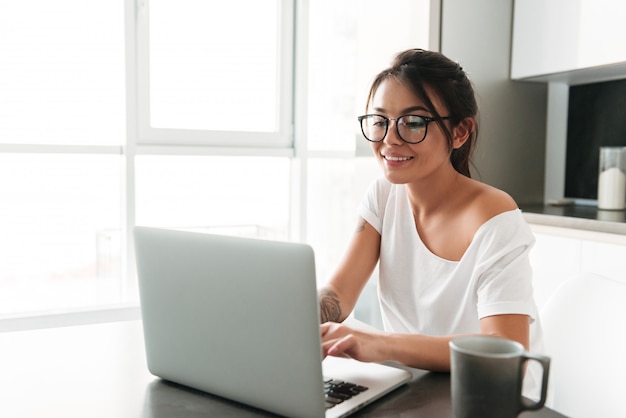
(396, 159)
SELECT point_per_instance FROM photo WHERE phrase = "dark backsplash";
(596, 117)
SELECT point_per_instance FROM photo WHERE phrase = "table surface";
(100, 371)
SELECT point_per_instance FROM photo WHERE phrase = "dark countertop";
(582, 217)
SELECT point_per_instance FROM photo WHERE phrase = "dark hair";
(417, 68)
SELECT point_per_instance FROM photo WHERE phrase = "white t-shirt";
(420, 292)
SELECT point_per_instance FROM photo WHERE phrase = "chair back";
(584, 327)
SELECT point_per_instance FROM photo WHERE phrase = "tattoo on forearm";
(329, 306)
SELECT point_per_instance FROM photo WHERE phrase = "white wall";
(511, 144)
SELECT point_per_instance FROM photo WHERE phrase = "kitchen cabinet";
(573, 41)
(561, 253)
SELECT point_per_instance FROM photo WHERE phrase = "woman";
(452, 251)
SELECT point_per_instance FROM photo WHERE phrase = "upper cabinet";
(571, 41)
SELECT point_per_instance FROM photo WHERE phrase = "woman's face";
(403, 162)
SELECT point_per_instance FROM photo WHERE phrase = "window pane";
(214, 66)
(335, 188)
(230, 195)
(347, 48)
(60, 219)
(62, 72)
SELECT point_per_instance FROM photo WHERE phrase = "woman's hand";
(342, 341)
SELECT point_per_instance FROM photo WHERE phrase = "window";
(62, 72)
(236, 195)
(62, 128)
(349, 43)
(216, 74)
(60, 221)
(170, 114)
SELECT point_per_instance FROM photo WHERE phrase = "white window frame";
(281, 139)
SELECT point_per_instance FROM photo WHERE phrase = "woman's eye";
(413, 123)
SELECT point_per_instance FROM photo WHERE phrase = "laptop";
(239, 318)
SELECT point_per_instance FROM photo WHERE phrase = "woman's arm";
(414, 350)
(338, 297)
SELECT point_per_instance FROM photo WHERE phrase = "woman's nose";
(392, 137)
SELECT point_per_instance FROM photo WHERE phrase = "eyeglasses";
(411, 129)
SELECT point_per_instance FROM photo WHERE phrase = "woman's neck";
(430, 195)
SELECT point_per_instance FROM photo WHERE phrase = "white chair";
(584, 326)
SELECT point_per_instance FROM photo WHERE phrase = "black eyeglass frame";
(426, 119)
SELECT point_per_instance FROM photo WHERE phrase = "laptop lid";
(238, 318)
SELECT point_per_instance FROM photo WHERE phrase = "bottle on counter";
(612, 178)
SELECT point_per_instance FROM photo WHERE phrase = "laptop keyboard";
(338, 391)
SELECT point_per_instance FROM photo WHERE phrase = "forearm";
(330, 306)
(419, 351)
(433, 353)
(413, 350)
(338, 297)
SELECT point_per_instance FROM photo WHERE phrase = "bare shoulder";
(497, 200)
(487, 201)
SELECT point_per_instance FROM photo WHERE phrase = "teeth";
(396, 158)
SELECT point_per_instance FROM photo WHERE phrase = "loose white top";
(420, 292)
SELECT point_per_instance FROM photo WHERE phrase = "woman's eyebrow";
(413, 108)
(405, 111)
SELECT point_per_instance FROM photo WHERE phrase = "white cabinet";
(561, 253)
(604, 258)
(554, 258)
(552, 37)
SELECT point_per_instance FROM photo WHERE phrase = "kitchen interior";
(561, 67)
(578, 53)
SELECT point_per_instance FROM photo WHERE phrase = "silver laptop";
(239, 318)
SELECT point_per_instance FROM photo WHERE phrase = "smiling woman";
(452, 252)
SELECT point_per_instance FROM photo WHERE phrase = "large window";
(62, 129)
(239, 195)
(60, 219)
(217, 73)
(62, 72)
(228, 117)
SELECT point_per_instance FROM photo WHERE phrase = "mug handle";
(525, 403)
